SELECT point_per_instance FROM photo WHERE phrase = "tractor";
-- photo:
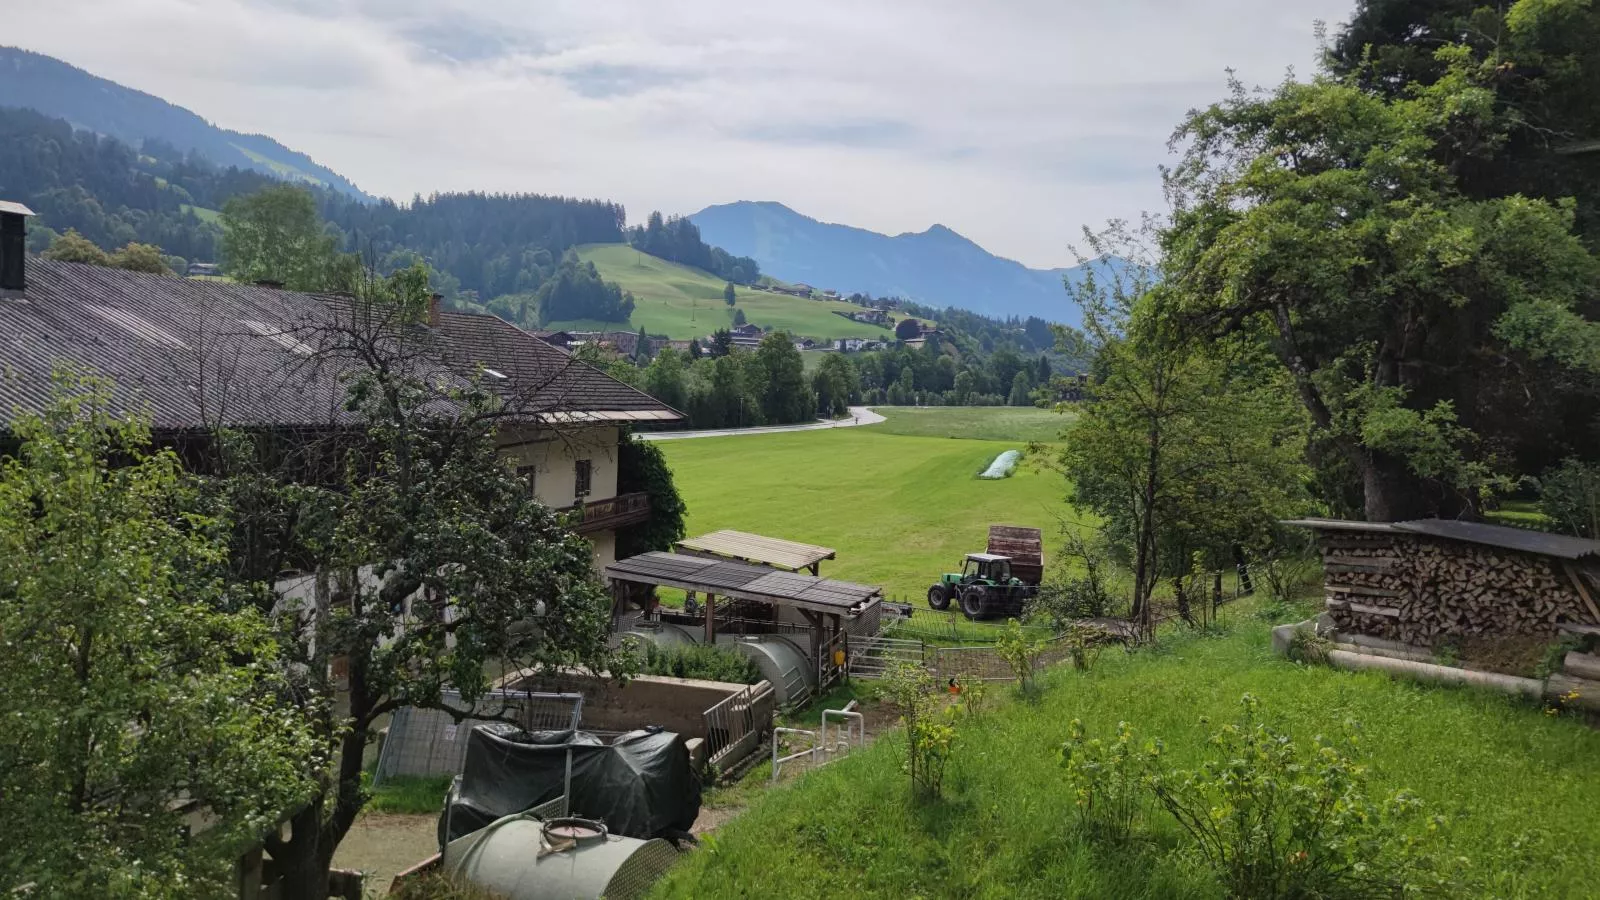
(984, 587)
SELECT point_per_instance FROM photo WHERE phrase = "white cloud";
(1016, 123)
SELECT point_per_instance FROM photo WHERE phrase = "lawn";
(1520, 791)
(1021, 424)
(899, 509)
(684, 303)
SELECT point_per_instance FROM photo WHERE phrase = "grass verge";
(409, 794)
(1520, 790)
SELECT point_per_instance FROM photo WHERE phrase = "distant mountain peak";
(61, 90)
(938, 266)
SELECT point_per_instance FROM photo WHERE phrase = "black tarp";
(641, 785)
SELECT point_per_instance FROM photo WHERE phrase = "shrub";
(707, 663)
(1020, 651)
(1278, 819)
(1569, 495)
(929, 729)
(1067, 598)
(1107, 780)
(1084, 643)
(974, 692)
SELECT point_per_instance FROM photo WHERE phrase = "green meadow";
(684, 303)
(899, 508)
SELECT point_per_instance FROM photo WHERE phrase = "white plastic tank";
(522, 857)
(662, 634)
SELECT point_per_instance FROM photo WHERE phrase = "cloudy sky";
(1015, 122)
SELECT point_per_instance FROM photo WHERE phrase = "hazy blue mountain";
(937, 267)
(52, 87)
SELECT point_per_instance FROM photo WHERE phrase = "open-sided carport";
(824, 603)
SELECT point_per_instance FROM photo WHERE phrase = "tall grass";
(1520, 790)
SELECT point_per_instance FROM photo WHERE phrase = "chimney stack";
(13, 245)
(433, 309)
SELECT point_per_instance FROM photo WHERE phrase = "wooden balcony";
(612, 512)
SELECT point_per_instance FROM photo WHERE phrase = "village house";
(198, 355)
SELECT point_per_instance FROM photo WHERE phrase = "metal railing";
(736, 725)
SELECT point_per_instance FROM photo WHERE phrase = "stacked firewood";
(1422, 590)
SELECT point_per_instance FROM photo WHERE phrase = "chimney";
(433, 309)
(13, 245)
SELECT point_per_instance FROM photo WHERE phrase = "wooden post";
(815, 569)
(711, 619)
(815, 620)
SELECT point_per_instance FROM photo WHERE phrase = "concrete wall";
(554, 458)
(676, 704)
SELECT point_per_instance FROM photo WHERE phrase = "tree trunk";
(304, 859)
(1391, 492)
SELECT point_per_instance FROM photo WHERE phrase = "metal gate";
(432, 742)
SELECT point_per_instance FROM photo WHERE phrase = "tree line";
(677, 239)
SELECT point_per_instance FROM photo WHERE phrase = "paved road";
(859, 415)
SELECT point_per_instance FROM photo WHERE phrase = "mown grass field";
(1022, 424)
(685, 303)
(1520, 790)
(900, 509)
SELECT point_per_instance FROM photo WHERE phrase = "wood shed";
(1427, 581)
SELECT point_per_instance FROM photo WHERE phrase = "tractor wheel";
(972, 601)
(939, 597)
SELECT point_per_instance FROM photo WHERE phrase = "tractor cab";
(986, 568)
(983, 577)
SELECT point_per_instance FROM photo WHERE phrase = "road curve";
(859, 415)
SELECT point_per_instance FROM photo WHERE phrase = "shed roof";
(758, 548)
(1539, 542)
(744, 581)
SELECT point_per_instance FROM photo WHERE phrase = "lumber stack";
(1421, 590)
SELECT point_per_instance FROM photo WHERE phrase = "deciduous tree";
(140, 695)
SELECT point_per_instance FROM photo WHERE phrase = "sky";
(1014, 122)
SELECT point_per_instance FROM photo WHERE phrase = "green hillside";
(685, 303)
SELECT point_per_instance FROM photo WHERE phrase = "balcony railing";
(612, 512)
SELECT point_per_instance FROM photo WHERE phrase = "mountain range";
(47, 84)
(937, 267)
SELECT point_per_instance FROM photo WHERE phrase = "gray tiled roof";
(203, 352)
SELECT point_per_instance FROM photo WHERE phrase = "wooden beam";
(1583, 589)
(711, 619)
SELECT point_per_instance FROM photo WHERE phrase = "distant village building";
(211, 270)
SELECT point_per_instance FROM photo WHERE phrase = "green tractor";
(984, 587)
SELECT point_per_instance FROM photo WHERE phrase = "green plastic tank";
(522, 857)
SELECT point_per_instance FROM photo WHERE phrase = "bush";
(1068, 598)
(929, 729)
(1107, 780)
(1020, 651)
(1276, 819)
(707, 663)
(1569, 495)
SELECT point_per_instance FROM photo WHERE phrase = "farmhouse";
(200, 355)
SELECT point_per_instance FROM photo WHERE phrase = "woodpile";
(1423, 590)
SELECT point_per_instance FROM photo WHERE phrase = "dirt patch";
(382, 844)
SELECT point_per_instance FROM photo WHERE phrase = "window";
(530, 475)
(583, 471)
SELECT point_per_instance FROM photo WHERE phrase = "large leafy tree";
(275, 235)
(1332, 217)
(430, 564)
(139, 696)
(1546, 57)
(786, 397)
